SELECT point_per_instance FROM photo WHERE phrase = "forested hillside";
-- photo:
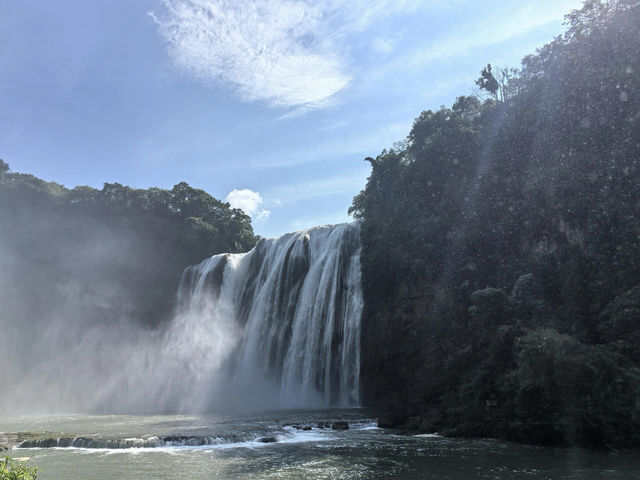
(105, 254)
(501, 249)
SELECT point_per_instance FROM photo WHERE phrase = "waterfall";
(293, 305)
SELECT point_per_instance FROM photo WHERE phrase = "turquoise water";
(291, 445)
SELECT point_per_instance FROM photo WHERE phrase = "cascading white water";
(294, 304)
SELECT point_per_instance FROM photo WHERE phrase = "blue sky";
(270, 104)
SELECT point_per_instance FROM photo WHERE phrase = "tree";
(618, 324)
(533, 191)
(500, 82)
(4, 167)
(489, 309)
(488, 82)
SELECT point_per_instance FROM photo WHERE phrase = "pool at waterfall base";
(310, 444)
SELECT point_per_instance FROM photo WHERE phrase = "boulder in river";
(267, 439)
(340, 425)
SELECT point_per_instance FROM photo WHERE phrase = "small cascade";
(294, 303)
(257, 434)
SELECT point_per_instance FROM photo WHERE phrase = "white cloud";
(270, 50)
(289, 53)
(248, 201)
(383, 45)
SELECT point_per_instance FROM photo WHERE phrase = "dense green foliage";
(13, 470)
(114, 253)
(501, 249)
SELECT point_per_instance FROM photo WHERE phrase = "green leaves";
(11, 469)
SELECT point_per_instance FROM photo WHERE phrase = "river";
(287, 445)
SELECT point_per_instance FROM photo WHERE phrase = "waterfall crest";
(293, 306)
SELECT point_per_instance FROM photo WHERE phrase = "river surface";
(287, 445)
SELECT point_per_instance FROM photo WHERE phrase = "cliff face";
(501, 250)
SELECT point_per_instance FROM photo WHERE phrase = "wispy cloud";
(493, 30)
(365, 144)
(344, 184)
(267, 50)
(449, 86)
(383, 45)
(250, 202)
(333, 126)
(289, 53)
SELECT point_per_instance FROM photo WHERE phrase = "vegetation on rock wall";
(501, 249)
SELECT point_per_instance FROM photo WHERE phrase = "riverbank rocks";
(340, 426)
(298, 426)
